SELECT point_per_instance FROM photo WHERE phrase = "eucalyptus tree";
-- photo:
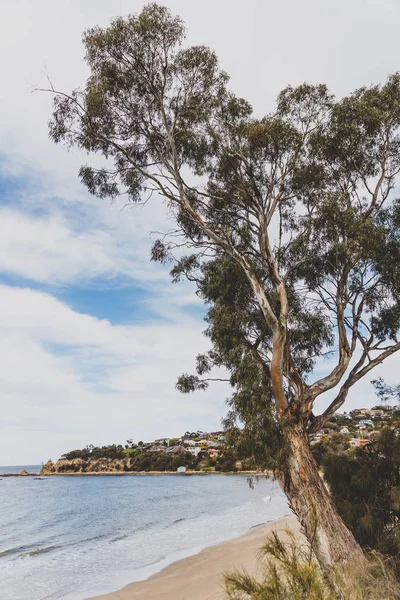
(291, 223)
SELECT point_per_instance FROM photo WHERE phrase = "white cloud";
(45, 249)
(92, 381)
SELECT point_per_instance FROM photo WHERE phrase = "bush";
(365, 489)
(227, 462)
(290, 572)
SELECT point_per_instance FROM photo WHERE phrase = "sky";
(92, 334)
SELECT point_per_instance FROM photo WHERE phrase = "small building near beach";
(181, 469)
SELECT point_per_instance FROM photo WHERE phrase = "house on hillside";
(212, 453)
(193, 450)
(174, 450)
(157, 449)
(189, 442)
(358, 443)
(208, 443)
(344, 430)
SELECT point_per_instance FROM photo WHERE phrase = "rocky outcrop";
(79, 465)
(24, 473)
(48, 468)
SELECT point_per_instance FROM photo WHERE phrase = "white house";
(208, 443)
(181, 469)
(189, 442)
(193, 450)
(344, 430)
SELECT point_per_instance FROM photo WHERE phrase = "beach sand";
(199, 577)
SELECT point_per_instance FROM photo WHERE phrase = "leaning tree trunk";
(310, 500)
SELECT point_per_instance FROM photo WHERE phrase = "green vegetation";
(93, 452)
(159, 461)
(289, 571)
(291, 221)
(365, 486)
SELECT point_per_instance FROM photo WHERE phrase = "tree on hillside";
(290, 221)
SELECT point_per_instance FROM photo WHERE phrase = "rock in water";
(24, 472)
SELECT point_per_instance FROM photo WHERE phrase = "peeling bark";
(311, 502)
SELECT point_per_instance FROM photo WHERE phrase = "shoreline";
(185, 473)
(132, 473)
(200, 576)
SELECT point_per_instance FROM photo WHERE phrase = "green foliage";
(226, 462)
(288, 573)
(173, 442)
(94, 452)
(365, 487)
(386, 392)
(333, 444)
(160, 461)
(130, 451)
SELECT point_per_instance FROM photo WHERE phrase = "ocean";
(73, 537)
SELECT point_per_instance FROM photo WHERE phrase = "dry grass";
(377, 582)
(290, 572)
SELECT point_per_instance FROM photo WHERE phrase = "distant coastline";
(133, 473)
(186, 473)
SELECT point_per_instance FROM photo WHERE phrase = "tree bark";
(311, 502)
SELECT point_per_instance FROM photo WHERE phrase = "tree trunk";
(310, 500)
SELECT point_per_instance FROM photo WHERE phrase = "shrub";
(289, 572)
(365, 489)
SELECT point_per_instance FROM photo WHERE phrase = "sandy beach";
(199, 577)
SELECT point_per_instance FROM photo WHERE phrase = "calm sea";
(73, 537)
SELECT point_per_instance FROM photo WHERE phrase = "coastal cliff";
(79, 465)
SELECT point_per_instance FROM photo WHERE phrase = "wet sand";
(200, 577)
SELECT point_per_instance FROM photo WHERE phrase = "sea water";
(74, 537)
